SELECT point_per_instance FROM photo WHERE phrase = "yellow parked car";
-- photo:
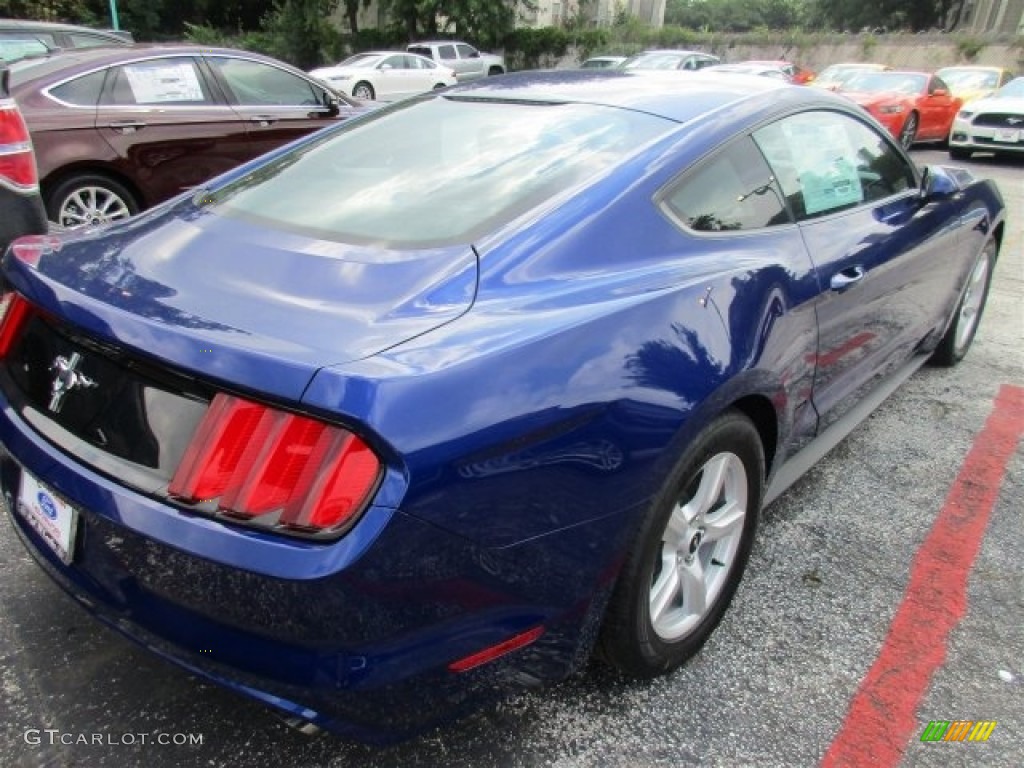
(973, 82)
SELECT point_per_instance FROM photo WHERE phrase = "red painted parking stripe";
(883, 714)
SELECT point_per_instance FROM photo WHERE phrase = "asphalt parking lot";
(885, 591)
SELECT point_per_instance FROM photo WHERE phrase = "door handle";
(126, 126)
(263, 120)
(848, 277)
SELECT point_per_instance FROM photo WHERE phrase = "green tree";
(301, 32)
(483, 21)
(352, 13)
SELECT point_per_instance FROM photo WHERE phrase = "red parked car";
(914, 106)
(117, 130)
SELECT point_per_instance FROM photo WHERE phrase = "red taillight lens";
(17, 161)
(14, 311)
(291, 471)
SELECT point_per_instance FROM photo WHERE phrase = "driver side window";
(254, 83)
(828, 162)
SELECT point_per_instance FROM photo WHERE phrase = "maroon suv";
(21, 211)
(119, 130)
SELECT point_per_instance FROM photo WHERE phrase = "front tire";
(89, 199)
(960, 334)
(959, 154)
(690, 552)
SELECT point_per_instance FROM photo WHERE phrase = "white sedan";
(385, 75)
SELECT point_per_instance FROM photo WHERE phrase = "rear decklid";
(233, 302)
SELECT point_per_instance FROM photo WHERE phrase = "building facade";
(1003, 17)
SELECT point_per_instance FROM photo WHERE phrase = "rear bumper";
(357, 638)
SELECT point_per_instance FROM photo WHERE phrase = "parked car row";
(914, 106)
(971, 108)
(391, 75)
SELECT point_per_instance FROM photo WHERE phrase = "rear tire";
(960, 334)
(689, 554)
(363, 91)
(89, 199)
(495, 71)
(908, 133)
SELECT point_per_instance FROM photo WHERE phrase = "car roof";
(973, 68)
(659, 93)
(681, 51)
(857, 64)
(50, 26)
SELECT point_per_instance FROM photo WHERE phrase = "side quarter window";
(83, 91)
(733, 190)
(828, 162)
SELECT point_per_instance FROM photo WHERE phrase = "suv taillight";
(275, 469)
(17, 161)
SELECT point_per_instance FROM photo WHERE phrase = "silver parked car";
(467, 61)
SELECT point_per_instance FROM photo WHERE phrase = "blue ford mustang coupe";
(450, 397)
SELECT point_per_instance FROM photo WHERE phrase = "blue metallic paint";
(528, 397)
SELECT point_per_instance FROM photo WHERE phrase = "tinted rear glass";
(435, 171)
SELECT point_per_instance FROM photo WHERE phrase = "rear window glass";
(435, 171)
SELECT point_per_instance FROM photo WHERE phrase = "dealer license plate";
(51, 517)
(1006, 136)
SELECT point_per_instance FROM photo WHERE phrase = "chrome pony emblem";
(1014, 120)
(67, 379)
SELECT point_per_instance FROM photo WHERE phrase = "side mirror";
(937, 183)
(332, 103)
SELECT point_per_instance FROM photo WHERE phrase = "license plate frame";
(1006, 136)
(55, 520)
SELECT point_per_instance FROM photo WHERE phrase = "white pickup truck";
(467, 61)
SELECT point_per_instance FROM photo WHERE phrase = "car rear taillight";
(14, 311)
(17, 161)
(276, 469)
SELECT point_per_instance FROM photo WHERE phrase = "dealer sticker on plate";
(53, 519)
(1006, 135)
